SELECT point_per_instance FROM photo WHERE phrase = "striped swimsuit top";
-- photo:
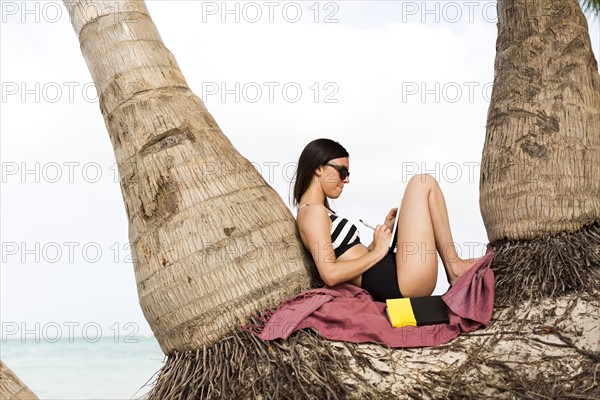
(344, 234)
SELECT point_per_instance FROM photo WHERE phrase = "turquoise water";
(111, 368)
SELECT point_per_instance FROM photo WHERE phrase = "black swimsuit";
(381, 280)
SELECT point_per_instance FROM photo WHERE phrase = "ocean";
(80, 368)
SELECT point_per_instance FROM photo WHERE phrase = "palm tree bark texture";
(213, 243)
(11, 387)
(540, 173)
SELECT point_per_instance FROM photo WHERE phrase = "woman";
(423, 227)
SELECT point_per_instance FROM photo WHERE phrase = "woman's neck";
(313, 195)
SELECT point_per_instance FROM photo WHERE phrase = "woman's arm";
(314, 226)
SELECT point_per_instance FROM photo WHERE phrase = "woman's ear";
(319, 170)
(317, 174)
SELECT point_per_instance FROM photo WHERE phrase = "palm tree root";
(547, 267)
(241, 366)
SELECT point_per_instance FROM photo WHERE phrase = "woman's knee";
(425, 180)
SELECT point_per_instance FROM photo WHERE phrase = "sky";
(403, 85)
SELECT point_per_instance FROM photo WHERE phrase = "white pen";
(366, 224)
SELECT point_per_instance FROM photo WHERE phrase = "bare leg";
(423, 232)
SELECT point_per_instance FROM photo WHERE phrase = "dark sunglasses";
(341, 169)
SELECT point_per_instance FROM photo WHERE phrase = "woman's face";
(331, 175)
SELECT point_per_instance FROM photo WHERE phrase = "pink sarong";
(348, 313)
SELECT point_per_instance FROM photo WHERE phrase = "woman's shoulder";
(313, 219)
(310, 210)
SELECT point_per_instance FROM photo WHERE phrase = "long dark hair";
(315, 154)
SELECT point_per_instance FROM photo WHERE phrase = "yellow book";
(400, 312)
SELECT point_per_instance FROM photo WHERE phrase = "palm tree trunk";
(212, 242)
(540, 174)
(11, 387)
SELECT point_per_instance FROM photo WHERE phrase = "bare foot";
(459, 268)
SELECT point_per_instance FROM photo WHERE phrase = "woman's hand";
(391, 217)
(381, 240)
